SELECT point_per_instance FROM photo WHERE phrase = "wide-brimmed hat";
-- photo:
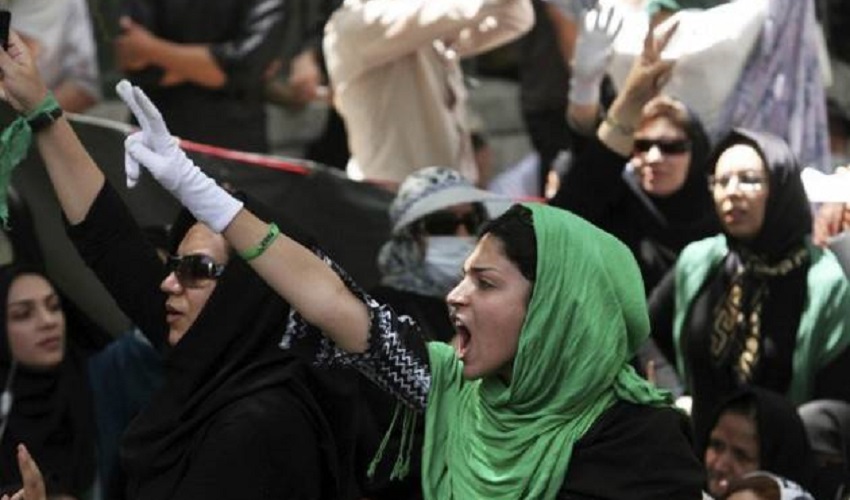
(430, 190)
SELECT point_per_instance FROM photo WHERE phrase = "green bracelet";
(263, 245)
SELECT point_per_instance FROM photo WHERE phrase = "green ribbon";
(14, 145)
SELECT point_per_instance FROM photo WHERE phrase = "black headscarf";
(788, 217)
(52, 412)
(761, 288)
(685, 216)
(231, 352)
(783, 445)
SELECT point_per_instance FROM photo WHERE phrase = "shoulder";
(636, 451)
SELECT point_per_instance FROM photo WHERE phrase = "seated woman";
(641, 174)
(756, 429)
(237, 417)
(759, 304)
(537, 399)
(60, 405)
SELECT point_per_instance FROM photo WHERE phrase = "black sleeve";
(112, 245)
(263, 447)
(593, 183)
(247, 56)
(831, 380)
(662, 308)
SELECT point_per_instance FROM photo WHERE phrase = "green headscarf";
(586, 318)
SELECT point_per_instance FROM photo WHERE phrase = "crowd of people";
(672, 323)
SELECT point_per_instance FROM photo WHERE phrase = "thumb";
(131, 166)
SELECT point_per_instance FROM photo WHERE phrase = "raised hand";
(593, 52)
(31, 475)
(20, 84)
(159, 152)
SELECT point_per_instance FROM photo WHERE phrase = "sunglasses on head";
(666, 146)
(446, 223)
(191, 270)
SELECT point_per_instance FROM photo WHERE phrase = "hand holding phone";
(5, 21)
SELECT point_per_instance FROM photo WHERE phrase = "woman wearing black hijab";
(58, 402)
(759, 304)
(237, 416)
(756, 430)
(641, 175)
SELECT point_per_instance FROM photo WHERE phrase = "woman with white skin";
(759, 304)
(639, 173)
(537, 398)
(228, 391)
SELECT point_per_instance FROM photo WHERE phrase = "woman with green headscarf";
(535, 399)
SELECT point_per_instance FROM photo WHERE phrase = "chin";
(174, 336)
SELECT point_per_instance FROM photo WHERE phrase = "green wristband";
(254, 252)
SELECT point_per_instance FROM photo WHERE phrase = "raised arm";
(75, 176)
(299, 276)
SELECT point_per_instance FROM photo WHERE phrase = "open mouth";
(461, 339)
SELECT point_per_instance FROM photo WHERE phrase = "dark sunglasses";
(190, 270)
(446, 223)
(667, 147)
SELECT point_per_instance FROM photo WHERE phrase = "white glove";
(159, 152)
(598, 28)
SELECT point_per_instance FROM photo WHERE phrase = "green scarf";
(15, 142)
(586, 318)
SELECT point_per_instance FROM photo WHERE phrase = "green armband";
(255, 251)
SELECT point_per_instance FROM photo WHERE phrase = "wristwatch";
(43, 120)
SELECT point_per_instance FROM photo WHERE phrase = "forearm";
(75, 177)
(305, 281)
(188, 62)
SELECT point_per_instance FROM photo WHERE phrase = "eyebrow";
(33, 300)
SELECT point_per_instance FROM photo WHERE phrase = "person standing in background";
(204, 64)
(59, 34)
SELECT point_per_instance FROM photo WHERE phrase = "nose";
(48, 318)
(459, 295)
(654, 154)
(171, 284)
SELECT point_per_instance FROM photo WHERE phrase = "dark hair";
(515, 229)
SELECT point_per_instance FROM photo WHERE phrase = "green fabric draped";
(14, 145)
(586, 318)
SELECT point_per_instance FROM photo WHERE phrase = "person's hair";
(515, 229)
(669, 108)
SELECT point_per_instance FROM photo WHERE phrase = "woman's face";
(187, 299)
(488, 309)
(661, 157)
(733, 450)
(35, 322)
(740, 189)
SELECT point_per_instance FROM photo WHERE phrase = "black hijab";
(52, 412)
(783, 445)
(788, 217)
(686, 215)
(761, 288)
(231, 352)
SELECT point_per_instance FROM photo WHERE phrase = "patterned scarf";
(736, 339)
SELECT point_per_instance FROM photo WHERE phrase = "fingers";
(31, 475)
(664, 39)
(125, 92)
(131, 166)
(141, 154)
(154, 117)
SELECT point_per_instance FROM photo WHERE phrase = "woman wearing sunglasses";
(535, 399)
(758, 304)
(237, 417)
(639, 173)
